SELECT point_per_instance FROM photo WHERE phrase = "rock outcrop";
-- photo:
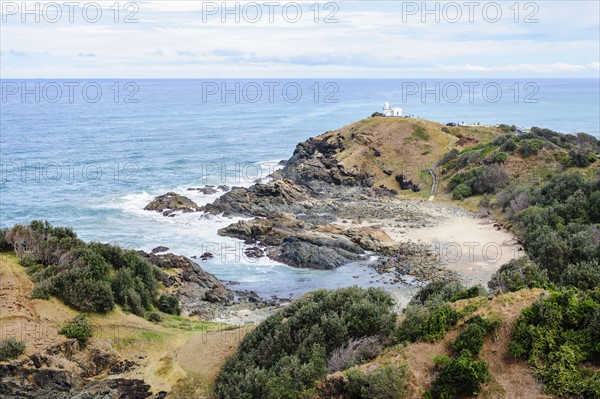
(171, 202)
(199, 292)
(65, 370)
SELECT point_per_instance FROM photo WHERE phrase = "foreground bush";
(388, 382)
(88, 277)
(10, 348)
(285, 355)
(79, 328)
(459, 376)
(560, 338)
(518, 274)
(169, 304)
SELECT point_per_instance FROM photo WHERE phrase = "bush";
(87, 277)
(459, 376)
(500, 157)
(79, 328)
(509, 146)
(518, 274)
(558, 336)
(584, 275)
(437, 292)
(461, 191)
(10, 348)
(169, 304)
(154, 317)
(288, 352)
(426, 323)
(471, 339)
(529, 147)
(388, 382)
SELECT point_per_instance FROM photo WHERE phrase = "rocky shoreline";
(319, 212)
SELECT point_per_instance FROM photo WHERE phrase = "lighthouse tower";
(387, 111)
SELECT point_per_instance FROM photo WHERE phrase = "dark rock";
(300, 252)
(207, 190)
(170, 202)
(254, 252)
(206, 255)
(407, 184)
(159, 249)
(224, 188)
(387, 172)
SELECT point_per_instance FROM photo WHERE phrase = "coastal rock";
(170, 202)
(160, 248)
(262, 200)
(299, 252)
(195, 288)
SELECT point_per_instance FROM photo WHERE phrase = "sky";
(279, 39)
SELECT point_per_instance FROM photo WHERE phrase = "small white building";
(387, 111)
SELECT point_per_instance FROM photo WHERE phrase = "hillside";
(510, 377)
(128, 356)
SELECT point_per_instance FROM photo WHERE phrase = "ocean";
(92, 153)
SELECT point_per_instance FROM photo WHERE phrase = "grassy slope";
(166, 352)
(511, 378)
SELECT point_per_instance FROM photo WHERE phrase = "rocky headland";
(345, 196)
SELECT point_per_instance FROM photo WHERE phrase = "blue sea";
(90, 154)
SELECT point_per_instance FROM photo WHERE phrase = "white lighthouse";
(387, 111)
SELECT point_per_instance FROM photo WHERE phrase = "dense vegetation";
(560, 338)
(88, 277)
(429, 316)
(286, 354)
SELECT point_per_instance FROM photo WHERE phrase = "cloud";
(17, 53)
(86, 55)
(521, 68)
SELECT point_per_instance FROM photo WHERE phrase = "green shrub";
(459, 376)
(10, 348)
(388, 382)
(584, 275)
(471, 338)
(288, 352)
(426, 323)
(88, 277)
(500, 157)
(169, 304)
(529, 147)
(518, 274)
(437, 292)
(468, 293)
(461, 191)
(558, 336)
(154, 317)
(79, 328)
(509, 146)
